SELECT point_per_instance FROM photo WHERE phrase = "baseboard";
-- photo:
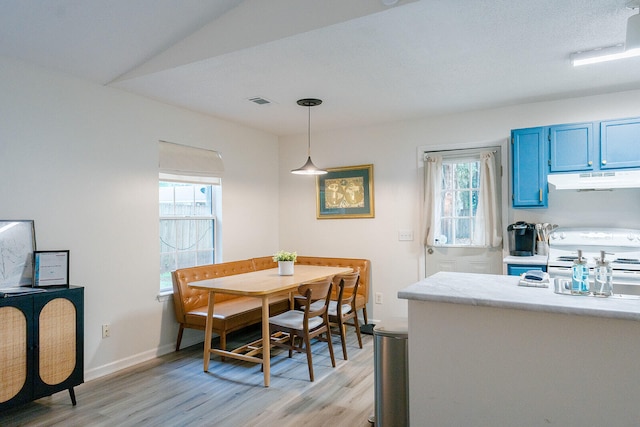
(135, 359)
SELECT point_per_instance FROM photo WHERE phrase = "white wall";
(81, 160)
(392, 148)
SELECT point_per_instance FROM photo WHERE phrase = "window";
(190, 195)
(187, 227)
(459, 204)
(462, 198)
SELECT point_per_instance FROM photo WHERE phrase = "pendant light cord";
(309, 131)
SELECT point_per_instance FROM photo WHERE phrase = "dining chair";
(306, 323)
(342, 307)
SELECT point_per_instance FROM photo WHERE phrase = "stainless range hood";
(592, 181)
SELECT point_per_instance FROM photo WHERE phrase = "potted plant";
(285, 262)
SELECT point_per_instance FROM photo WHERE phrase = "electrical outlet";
(106, 330)
(378, 297)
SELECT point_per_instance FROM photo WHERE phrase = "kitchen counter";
(503, 291)
(484, 351)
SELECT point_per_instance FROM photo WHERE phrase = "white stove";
(621, 246)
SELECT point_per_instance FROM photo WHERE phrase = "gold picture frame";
(345, 192)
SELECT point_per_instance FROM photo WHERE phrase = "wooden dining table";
(262, 284)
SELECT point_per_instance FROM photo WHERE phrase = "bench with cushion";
(232, 312)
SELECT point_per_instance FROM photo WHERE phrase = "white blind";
(180, 163)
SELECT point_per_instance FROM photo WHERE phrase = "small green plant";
(285, 256)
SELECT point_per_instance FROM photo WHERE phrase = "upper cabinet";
(529, 168)
(576, 147)
(619, 142)
(571, 147)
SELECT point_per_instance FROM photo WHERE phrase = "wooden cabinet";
(41, 345)
(619, 142)
(529, 168)
(571, 147)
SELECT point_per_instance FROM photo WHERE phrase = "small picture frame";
(345, 192)
(50, 268)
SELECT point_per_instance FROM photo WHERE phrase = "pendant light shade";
(309, 168)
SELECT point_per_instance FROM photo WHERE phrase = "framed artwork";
(17, 244)
(50, 268)
(345, 192)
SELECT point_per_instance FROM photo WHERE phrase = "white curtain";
(432, 198)
(488, 231)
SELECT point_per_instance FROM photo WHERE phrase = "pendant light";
(309, 168)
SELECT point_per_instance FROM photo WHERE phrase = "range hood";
(601, 180)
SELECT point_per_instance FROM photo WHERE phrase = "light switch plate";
(405, 235)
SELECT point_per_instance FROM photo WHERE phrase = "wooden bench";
(231, 312)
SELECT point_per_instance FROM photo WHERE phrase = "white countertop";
(526, 260)
(503, 291)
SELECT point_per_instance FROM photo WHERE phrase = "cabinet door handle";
(540, 191)
(604, 162)
(590, 163)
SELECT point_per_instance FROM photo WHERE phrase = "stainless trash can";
(391, 378)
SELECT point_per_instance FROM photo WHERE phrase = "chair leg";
(343, 329)
(364, 313)
(357, 324)
(292, 344)
(307, 345)
(180, 331)
(333, 359)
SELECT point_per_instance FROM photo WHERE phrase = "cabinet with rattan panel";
(41, 345)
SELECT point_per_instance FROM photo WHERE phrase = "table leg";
(208, 331)
(266, 341)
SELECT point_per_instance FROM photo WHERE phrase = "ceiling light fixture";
(630, 49)
(309, 168)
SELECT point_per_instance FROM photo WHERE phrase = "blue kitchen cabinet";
(619, 142)
(571, 147)
(529, 168)
(518, 270)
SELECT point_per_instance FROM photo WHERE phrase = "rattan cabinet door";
(16, 351)
(59, 332)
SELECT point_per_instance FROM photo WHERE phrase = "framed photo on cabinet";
(345, 192)
(50, 268)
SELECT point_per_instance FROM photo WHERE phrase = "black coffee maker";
(522, 239)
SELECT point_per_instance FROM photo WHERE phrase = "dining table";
(263, 284)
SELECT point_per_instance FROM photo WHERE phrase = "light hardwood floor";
(173, 390)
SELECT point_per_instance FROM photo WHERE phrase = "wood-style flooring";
(173, 390)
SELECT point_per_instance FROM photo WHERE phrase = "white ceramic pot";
(285, 268)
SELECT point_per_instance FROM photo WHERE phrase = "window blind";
(180, 163)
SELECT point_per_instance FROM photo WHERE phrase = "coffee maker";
(522, 239)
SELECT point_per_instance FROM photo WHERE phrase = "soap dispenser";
(580, 278)
(602, 286)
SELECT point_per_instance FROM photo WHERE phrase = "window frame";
(215, 185)
(456, 190)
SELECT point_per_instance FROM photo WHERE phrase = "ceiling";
(368, 62)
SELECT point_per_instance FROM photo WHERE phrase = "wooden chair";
(306, 324)
(342, 308)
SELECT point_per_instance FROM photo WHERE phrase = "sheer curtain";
(432, 198)
(488, 231)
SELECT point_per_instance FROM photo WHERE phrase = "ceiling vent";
(260, 100)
